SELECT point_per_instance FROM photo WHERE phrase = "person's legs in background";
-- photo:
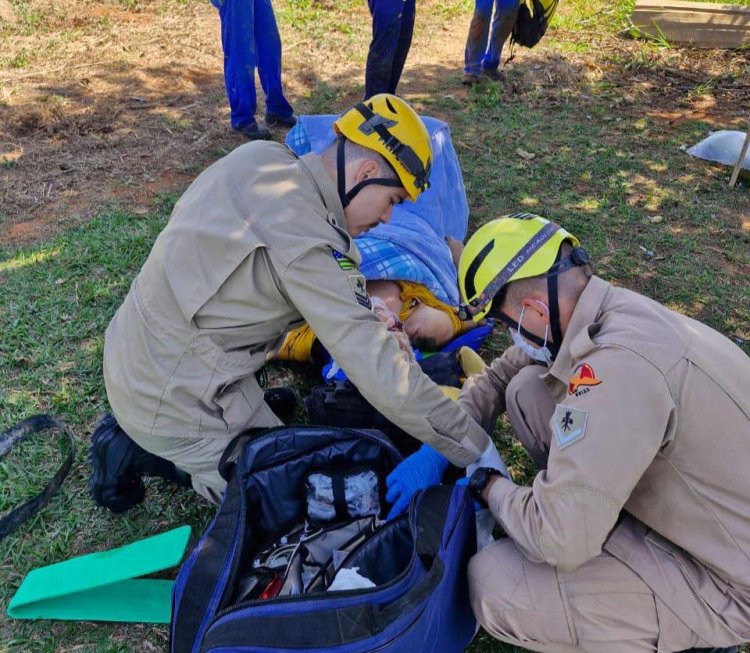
(506, 12)
(238, 42)
(476, 42)
(404, 42)
(268, 44)
(386, 30)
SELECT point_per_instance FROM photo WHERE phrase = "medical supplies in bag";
(299, 558)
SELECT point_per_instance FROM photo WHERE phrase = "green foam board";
(104, 586)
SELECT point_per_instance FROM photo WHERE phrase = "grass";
(55, 301)
(602, 167)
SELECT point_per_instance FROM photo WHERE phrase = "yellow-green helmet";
(506, 249)
(389, 126)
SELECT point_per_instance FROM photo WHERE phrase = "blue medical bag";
(415, 565)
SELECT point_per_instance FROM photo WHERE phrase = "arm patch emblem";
(359, 288)
(569, 425)
(583, 378)
(345, 263)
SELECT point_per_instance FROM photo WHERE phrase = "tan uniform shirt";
(653, 418)
(257, 245)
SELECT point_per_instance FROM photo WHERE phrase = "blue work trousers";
(392, 29)
(250, 38)
(481, 53)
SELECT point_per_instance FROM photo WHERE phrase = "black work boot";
(282, 401)
(276, 120)
(254, 132)
(730, 649)
(117, 465)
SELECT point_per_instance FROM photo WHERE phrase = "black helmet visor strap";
(404, 154)
(477, 304)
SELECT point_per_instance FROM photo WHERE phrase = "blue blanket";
(412, 245)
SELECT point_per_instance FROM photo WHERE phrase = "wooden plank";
(700, 24)
(741, 158)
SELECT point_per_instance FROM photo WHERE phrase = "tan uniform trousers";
(200, 457)
(602, 606)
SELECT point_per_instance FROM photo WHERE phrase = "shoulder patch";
(345, 263)
(582, 379)
(359, 288)
(569, 425)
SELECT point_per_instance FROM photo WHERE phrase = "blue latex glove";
(465, 481)
(421, 470)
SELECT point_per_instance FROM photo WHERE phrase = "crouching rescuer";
(258, 244)
(635, 533)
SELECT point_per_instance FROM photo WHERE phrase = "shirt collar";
(587, 310)
(327, 188)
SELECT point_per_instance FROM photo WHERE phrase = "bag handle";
(20, 431)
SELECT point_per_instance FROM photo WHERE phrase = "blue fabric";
(411, 247)
(250, 38)
(423, 469)
(480, 53)
(392, 29)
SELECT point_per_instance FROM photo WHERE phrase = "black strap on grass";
(20, 431)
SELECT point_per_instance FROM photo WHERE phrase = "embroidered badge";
(583, 378)
(344, 262)
(357, 284)
(569, 425)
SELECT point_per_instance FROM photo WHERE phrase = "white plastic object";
(485, 525)
(721, 147)
(349, 579)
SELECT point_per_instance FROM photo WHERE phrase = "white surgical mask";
(541, 354)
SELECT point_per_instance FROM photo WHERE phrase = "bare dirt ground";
(123, 101)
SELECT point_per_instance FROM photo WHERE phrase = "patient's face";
(428, 328)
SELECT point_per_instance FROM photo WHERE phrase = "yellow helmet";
(509, 248)
(389, 126)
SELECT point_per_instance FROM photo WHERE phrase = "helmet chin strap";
(553, 344)
(347, 197)
(554, 312)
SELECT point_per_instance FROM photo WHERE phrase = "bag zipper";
(459, 512)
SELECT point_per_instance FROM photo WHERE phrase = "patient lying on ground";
(417, 318)
(410, 263)
(413, 313)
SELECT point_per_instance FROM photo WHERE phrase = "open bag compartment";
(417, 562)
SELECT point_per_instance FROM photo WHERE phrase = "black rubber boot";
(730, 649)
(281, 401)
(117, 465)
(254, 132)
(275, 120)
